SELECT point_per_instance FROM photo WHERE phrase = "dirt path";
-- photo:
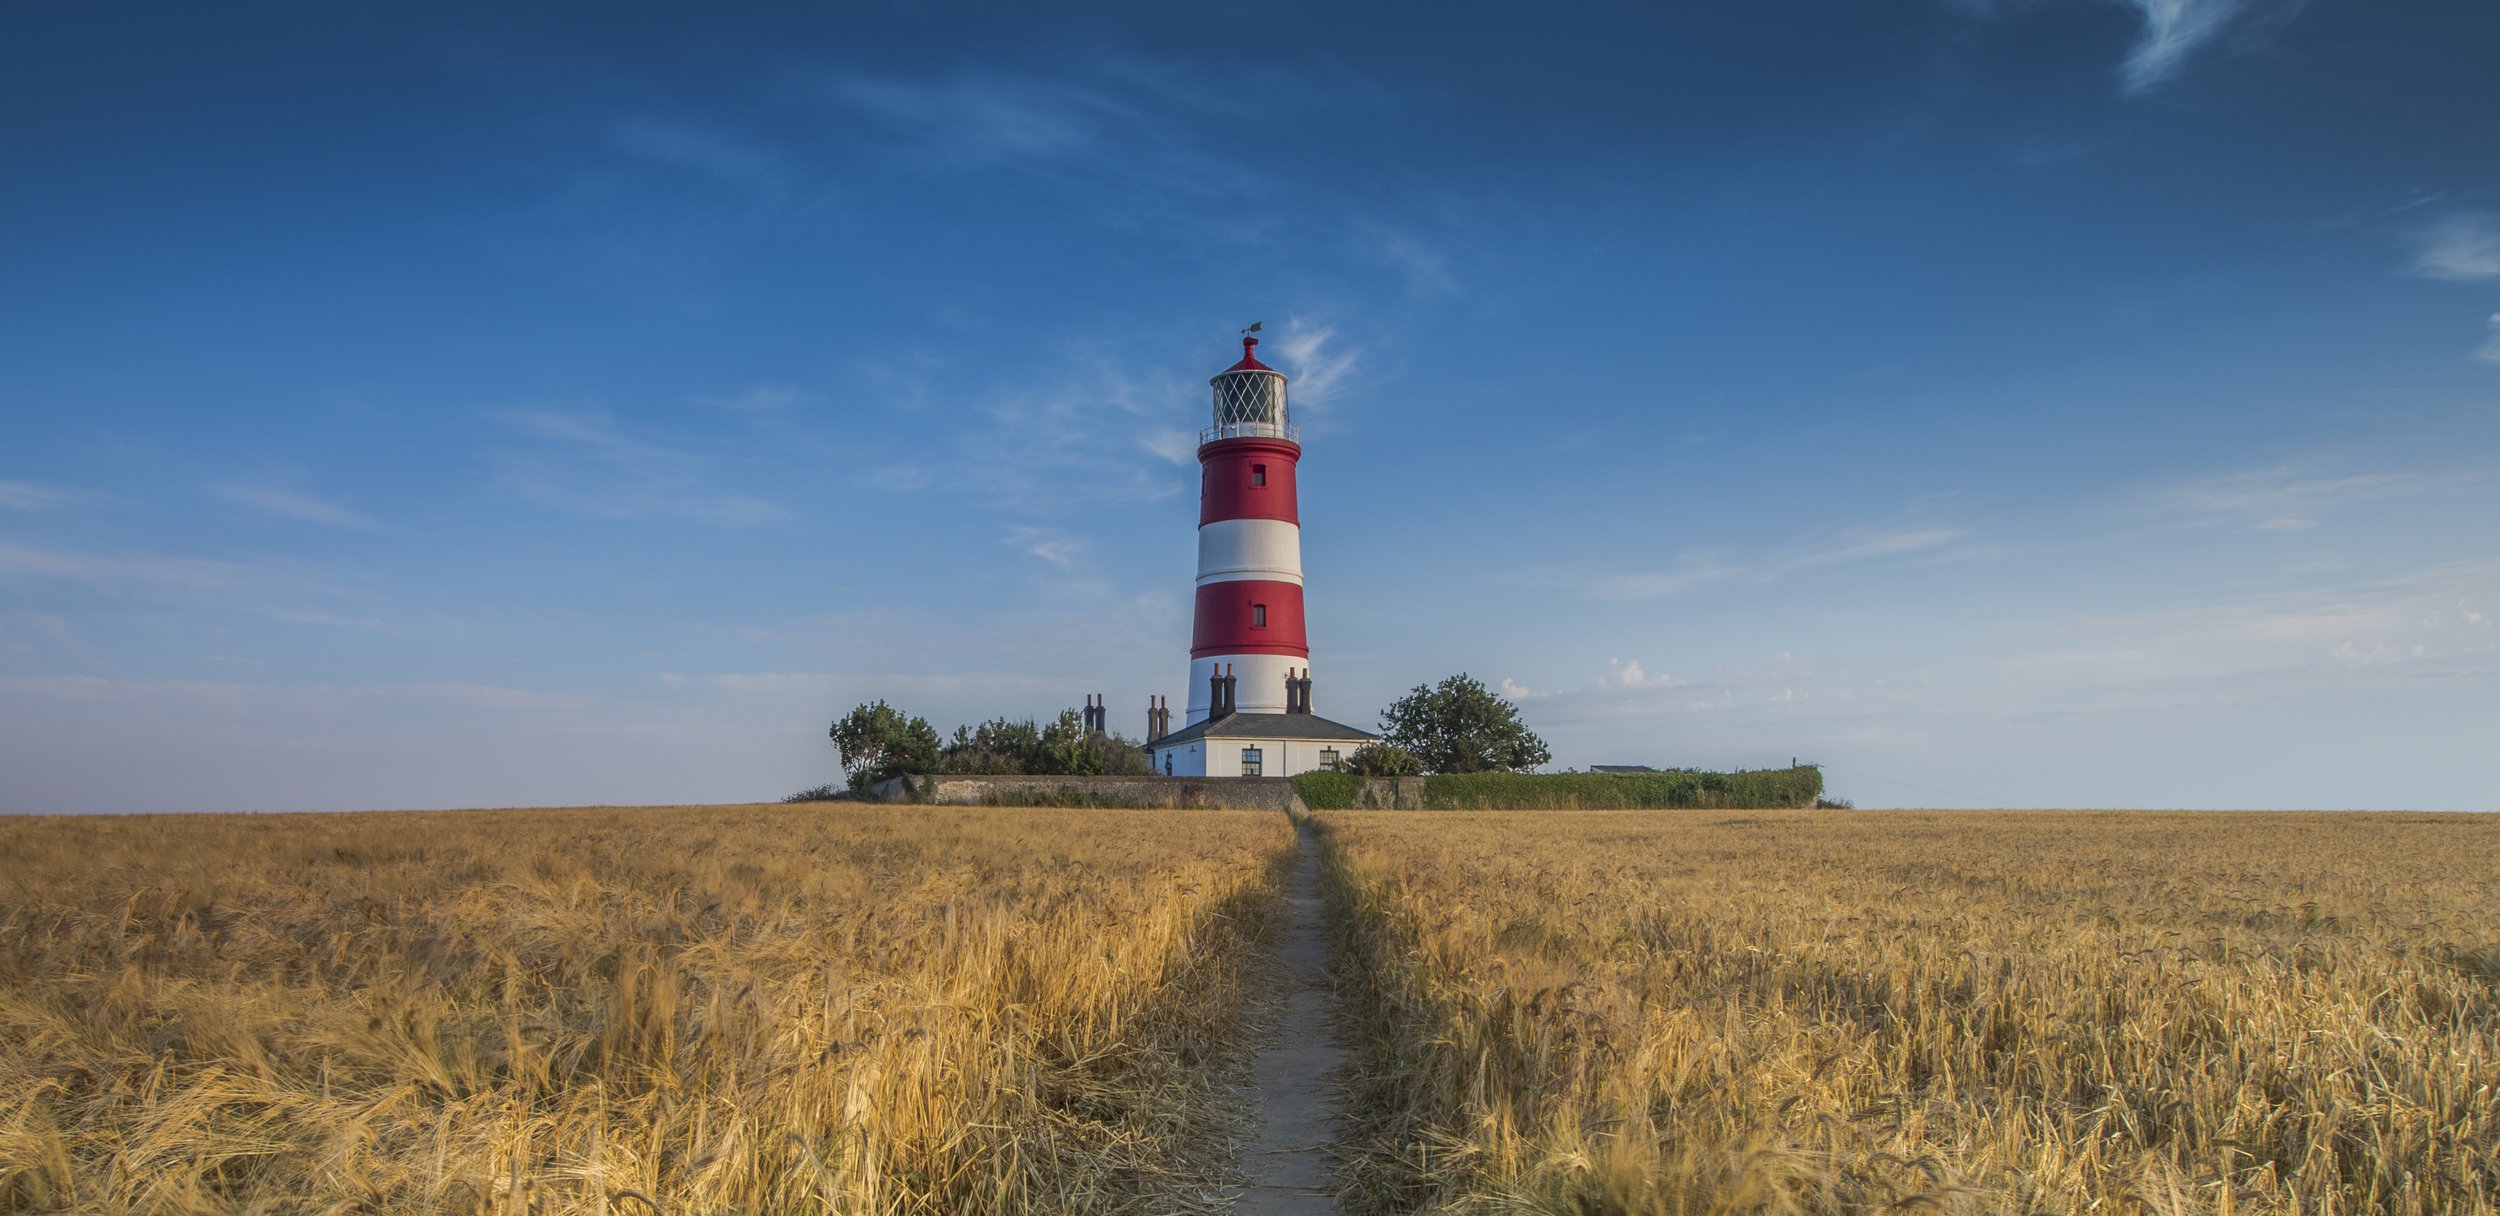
(1289, 1161)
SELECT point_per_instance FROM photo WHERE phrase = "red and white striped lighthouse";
(1249, 616)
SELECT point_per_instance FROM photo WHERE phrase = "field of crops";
(746, 1009)
(986, 1010)
(1636, 1012)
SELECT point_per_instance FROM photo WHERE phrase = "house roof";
(1266, 726)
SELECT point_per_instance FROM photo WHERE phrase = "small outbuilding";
(1256, 745)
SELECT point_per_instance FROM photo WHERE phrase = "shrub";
(1322, 790)
(1384, 760)
(821, 793)
(1775, 787)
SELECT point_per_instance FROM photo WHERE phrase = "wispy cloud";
(2173, 29)
(2489, 351)
(762, 398)
(2281, 499)
(2461, 248)
(1049, 544)
(288, 504)
(122, 572)
(36, 496)
(585, 463)
(1127, 143)
(2427, 620)
(23, 630)
(1427, 270)
(1858, 543)
(483, 696)
(1090, 435)
(980, 121)
(1178, 445)
(100, 689)
(711, 153)
(1319, 365)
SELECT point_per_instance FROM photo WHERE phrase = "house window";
(1251, 758)
(1258, 474)
(1258, 616)
(1328, 759)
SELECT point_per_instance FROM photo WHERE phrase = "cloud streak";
(2281, 499)
(1319, 366)
(2460, 249)
(701, 151)
(1126, 144)
(122, 573)
(37, 496)
(2173, 29)
(1857, 544)
(287, 504)
(2428, 622)
(585, 463)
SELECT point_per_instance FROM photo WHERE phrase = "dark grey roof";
(1266, 726)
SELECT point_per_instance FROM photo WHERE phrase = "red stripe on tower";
(1248, 479)
(1249, 616)
(1249, 612)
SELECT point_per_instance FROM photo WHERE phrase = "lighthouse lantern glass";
(1249, 403)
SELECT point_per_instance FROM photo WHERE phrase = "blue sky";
(2021, 402)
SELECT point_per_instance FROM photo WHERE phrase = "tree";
(1460, 726)
(1383, 760)
(877, 742)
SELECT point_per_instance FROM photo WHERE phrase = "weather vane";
(1254, 328)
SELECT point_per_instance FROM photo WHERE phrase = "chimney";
(1215, 694)
(1306, 690)
(1231, 684)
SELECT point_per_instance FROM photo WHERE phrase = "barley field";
(1689, 1012)
(694, 1010)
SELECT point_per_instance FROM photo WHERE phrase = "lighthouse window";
(1258, 616)
(1258, 474)
(1252, 759)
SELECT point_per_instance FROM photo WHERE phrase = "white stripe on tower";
(1249, 548)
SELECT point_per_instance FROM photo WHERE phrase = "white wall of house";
(1277, 757)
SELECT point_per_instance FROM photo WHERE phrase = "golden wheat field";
(698, 1010)
(1673, 1012)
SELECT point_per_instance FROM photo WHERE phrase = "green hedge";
(1322, 790)
(1770, 787)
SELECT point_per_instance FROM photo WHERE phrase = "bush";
(822, 793)
(1384, 760)
(1755, 788)
(1322, 790)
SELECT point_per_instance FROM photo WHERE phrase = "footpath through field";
(1289, 1163)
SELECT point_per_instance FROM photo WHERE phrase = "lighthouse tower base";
(1260, 685)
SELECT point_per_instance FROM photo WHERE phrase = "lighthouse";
(1249, 691)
